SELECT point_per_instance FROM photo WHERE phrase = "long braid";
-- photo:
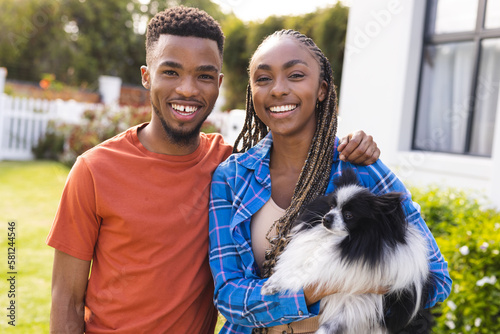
(253, 129)
(314, 176)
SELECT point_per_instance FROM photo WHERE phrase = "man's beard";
(178, 137)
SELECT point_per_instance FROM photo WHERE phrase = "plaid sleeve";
(237, 288)
(379, 179)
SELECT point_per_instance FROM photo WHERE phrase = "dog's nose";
(328, 220)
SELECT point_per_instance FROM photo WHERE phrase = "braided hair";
(314, 177)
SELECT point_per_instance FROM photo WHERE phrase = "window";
(460, 77)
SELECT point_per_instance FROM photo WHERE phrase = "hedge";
(467, 232)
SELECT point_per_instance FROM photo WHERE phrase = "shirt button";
(301, 313)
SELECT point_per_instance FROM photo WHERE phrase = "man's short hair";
(183, 21)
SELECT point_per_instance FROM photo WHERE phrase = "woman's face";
(285, 83)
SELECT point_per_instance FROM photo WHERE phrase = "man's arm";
(69, 283)
(359, 148)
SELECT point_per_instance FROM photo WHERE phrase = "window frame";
(431, 39)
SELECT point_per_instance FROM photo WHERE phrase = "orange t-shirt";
(142, 218)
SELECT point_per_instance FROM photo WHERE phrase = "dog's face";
(350, 209)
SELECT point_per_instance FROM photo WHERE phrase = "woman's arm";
(237, 288)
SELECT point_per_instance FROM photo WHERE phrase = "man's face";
(184, 79)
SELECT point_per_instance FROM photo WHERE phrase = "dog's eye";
(348, 215)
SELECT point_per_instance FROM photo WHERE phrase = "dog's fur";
(355, 241)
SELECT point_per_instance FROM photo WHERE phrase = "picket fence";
(23, 121)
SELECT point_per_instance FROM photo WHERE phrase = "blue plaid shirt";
(240, 187)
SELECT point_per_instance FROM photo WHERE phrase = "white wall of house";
(379, 94)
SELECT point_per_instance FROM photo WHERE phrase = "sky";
(254, 10)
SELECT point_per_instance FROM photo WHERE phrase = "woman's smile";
(283, 108)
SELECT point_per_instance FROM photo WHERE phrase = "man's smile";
(184, 110)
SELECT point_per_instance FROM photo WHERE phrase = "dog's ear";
(391, 212)
(347, 178)
(390, 202)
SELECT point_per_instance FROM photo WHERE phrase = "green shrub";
(50, 146)
(468, 234)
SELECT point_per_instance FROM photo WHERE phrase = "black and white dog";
(355, 241)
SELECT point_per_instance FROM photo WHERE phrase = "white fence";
(24, 121)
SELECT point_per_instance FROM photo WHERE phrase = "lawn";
(29, 194)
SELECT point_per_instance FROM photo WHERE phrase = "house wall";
(379, 94)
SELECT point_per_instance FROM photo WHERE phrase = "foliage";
(49, 81)
(33, 35)
(329, 31)
(75, 40)
(235, 63)
(50, 146)
(468, 234)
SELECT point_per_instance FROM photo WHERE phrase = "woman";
(290, 93)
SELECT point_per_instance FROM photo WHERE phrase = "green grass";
(29, 195)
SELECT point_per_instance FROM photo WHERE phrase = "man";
(135, 207)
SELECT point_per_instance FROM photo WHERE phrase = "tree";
(76, 40)
(258, 31)
(235, 65)
(329, 33)
(103, 39)
(33, 40)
